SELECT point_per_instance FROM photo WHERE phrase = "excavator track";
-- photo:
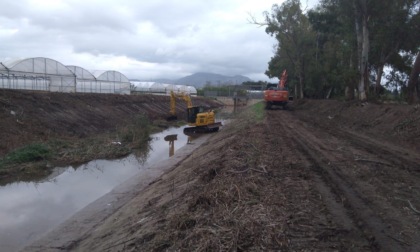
(202, 129)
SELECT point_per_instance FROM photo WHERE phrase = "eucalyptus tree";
(413, 86)
(336, 55)
(411, 45)
(393, 34)
(296, 41)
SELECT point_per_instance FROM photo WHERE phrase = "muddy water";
(29, 210)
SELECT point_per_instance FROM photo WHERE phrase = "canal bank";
(42, 130)
(84, 222)
(29, 209)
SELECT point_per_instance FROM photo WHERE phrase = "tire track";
(316, 147)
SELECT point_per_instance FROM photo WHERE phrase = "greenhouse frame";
(37, 74)
(111, 82)
(44, 74)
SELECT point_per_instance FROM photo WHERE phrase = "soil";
(320, 176)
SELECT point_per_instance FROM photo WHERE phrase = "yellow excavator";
(199, 120)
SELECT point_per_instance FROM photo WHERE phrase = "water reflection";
(192, 137)
(171, 139)
(30, 209)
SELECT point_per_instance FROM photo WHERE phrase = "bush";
(137, 133)
(29, 153)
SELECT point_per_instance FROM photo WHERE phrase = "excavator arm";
(173, 97)
(283, 79)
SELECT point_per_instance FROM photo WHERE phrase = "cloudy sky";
(143, 39)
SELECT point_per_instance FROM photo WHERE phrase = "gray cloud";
(142, 39)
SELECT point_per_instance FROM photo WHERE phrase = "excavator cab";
(192, 114)
(197, 116)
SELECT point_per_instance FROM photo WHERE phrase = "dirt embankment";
(323, 176)
(63, 120)
(36, 116)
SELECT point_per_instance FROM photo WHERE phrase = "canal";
(28, 210)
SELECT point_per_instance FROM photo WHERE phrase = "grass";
(258, 110)
(38, 159)
(30, 153)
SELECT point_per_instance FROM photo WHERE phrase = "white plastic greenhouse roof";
(180, 88)
(157, 86)
(110, 76)
(142, 84)
(191, 90)
(149, 85)
(81, 73)
(2, 67)
(169, 87)
(38, 65)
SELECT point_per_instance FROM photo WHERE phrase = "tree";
(392, 22)
(340, 43)
(335, 46)
(361, 17)
(295, 39)
(412, 87)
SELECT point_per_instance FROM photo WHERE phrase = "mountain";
(199, 80)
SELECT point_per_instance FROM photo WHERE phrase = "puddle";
(28, 210)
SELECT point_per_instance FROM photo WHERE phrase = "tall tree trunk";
(379, 72)
(349, 90)
(412, 89)
(362, 33)
(301, 81)
(365, 55)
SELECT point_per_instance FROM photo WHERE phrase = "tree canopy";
(342, 47)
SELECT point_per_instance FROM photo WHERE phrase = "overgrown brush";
(136, 134)
(30, 153)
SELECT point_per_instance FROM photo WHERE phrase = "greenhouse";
(85, 81)
(191, 90)
(37, 74)
(161, 88)
(111, 82)
(148, 87)
(45, 74)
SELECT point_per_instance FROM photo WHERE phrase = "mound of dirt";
(323, 176)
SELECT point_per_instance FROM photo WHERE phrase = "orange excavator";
(199, 120)
(277, 94)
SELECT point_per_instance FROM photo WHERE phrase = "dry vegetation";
(322, 176)
(264, 183)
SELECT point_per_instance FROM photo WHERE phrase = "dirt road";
(288, 180)
(367, 185)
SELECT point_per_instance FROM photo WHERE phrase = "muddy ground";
(321, 176)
